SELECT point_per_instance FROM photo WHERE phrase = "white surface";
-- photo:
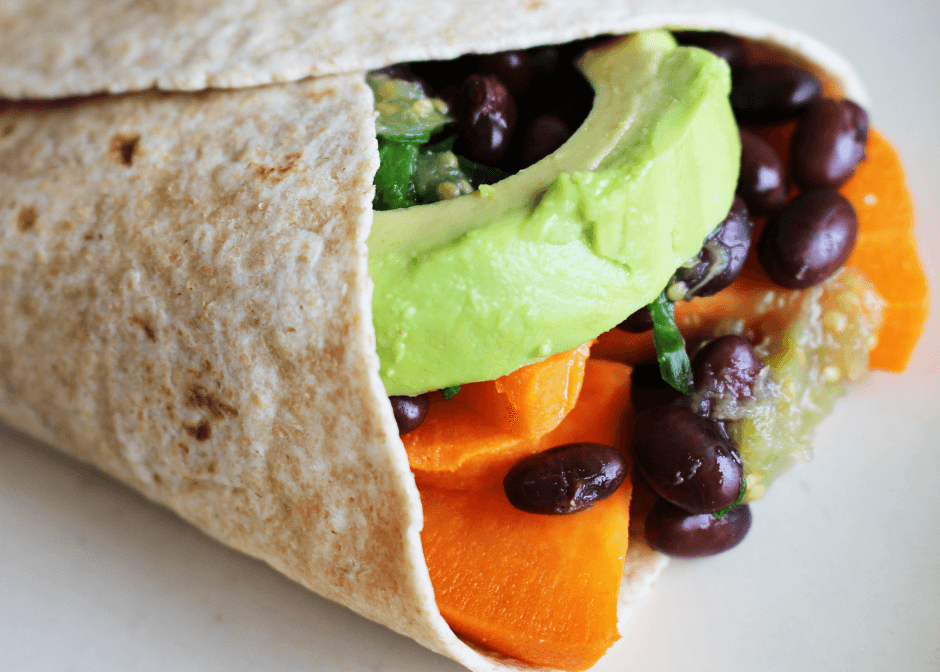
(840, 572)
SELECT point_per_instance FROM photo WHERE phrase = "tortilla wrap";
(186, 302)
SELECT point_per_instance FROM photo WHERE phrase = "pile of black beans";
(684, 453)
(808, 238)
(512, 108)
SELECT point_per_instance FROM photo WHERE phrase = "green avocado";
(473, 288)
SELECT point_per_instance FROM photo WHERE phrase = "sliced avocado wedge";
(473, 288)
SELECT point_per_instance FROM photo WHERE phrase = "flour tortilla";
(185, 297)
(79, 47)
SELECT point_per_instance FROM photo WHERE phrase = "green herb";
(438, 177)
(445, 145)
(721, 514)
(440, 174)
(393, 180)
(674, 365)
(405, 112)
(480, 174)
(417, 139)
(448, 392)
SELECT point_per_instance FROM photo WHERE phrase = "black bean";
(442, 74)
(726, 368)
(647, 387)
(675, 532)
(828, 144)
(723, 45)
(574, 98)
(808, 240)
(486, 117)
(545, 60)
(565, 479)
(565, 94)
(544, 135)
(768, 93)
(687, 459)
(762, 182)
(638, 322)
(400, 71)
(409, 412)
(513, 68)
(723, 255)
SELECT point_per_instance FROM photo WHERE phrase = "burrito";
(188, 259)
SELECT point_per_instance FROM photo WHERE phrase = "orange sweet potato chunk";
(887, 251)
(542, 589)
(486, 420)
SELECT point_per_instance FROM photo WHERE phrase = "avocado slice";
(473, 288)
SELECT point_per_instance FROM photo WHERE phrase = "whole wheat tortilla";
(184, 292)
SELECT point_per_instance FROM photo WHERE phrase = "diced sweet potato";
(542, 589)
(489, 420)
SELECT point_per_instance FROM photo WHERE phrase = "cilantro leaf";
(674, 365)
(393, 185)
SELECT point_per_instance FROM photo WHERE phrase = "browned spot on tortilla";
(207, 367)
(26, 219)
(200, 432)
(28, 305)
(198, 396)
(533, 5)
(276, 173)
(7, 130)
(145, 324)
(123, 147)
(66, 224)
(157, 479)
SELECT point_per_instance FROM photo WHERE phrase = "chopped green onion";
(448, 392)
(721, 513)
(674, 365)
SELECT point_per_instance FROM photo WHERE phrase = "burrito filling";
(472, 288)
(722, 358)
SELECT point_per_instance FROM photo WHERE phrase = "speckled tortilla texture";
(185, 304)
(76, 47)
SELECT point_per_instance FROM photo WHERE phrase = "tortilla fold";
(184, 290)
